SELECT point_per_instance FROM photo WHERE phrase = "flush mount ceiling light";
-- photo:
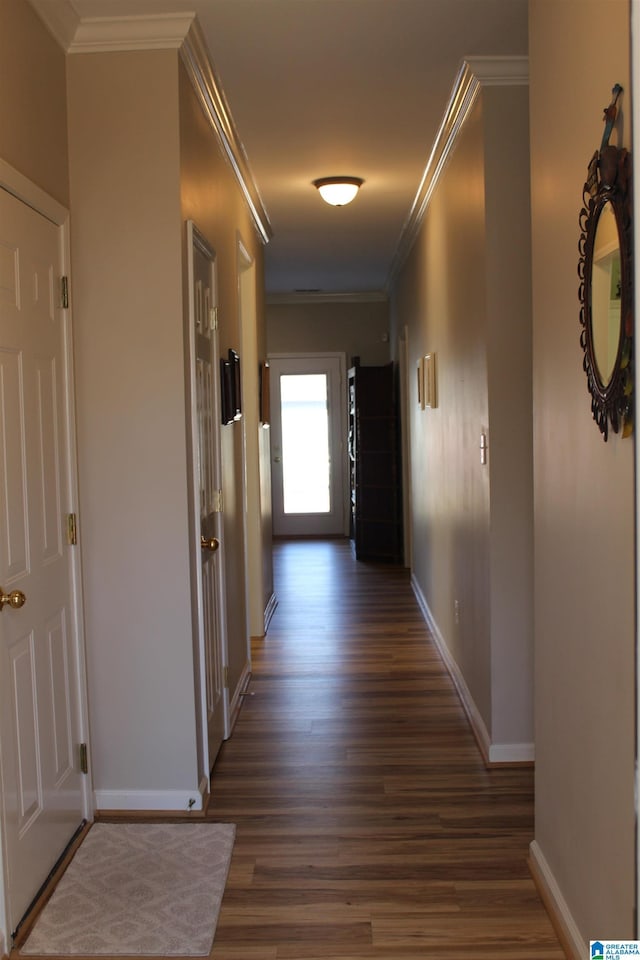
(338, 191)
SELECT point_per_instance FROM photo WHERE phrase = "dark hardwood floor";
(367, 824)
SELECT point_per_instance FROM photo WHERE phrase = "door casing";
(205, 645)
(310, 362)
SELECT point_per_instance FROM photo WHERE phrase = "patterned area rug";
(138, 890)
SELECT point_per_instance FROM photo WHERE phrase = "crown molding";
(474, 74)
(109, 34)
(280, 299)
(499, 71)
(112, 34)
(197, 62)
(170, 31)
(60, 19)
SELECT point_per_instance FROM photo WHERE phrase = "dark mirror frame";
(608, 181)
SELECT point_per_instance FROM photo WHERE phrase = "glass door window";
(306, 465)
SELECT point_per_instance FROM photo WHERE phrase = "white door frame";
(196, 240)
(33, 196)
(254, 579)
(341, 357)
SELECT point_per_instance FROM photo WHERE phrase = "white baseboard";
(171, 800)
(238, 693)
(491, 752)
(565, 926)
(269, 611)
(512, 753)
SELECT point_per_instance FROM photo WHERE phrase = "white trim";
(197, 241)
(197, 62)
(170, 31)
(113, 34)
(472, 712)
(28, 192)
(499, 71)
(270, 609)
(238, 693)
(169, 800)
(329, 528)
(60, 19)
(492, 752)
(556, 905)
(512, 753)
(251, 506)
(73, 494)
(474, 73)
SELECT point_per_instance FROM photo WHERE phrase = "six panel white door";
(39, 677)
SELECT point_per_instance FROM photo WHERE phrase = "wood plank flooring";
(368, 827)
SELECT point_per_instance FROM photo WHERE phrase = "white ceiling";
(324, 87)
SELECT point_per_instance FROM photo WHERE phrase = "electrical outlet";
(456, 611)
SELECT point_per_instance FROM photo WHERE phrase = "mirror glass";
(606, 294)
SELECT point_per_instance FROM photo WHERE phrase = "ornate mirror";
(605, 272)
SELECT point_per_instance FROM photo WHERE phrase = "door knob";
(209, 543)
(15, 599)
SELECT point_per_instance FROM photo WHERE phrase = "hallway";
(367, 823)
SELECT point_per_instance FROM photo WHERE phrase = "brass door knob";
(209, 543)
(15, 599)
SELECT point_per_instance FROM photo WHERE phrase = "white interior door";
(40, 675)
(207, 532)
(308, 429)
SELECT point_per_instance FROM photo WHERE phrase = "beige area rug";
(138, 889)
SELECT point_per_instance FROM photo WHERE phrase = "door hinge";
(64, 292)
(72, 529)
(217, 501)
(225, 678)
(213, 318)
(84, 761)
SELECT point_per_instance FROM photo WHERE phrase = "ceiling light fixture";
(338, 191)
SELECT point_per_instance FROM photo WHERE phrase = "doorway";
(45, 792)
(206, 480)
(308, 410)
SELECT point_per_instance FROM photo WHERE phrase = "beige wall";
(144, 160)
(584, 507)
(357, 329)
(33, 110)
(465, 295)
(211, 197)
(127, 301)
(441, 297)
(508, 279)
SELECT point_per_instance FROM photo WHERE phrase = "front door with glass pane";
(307, 448)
